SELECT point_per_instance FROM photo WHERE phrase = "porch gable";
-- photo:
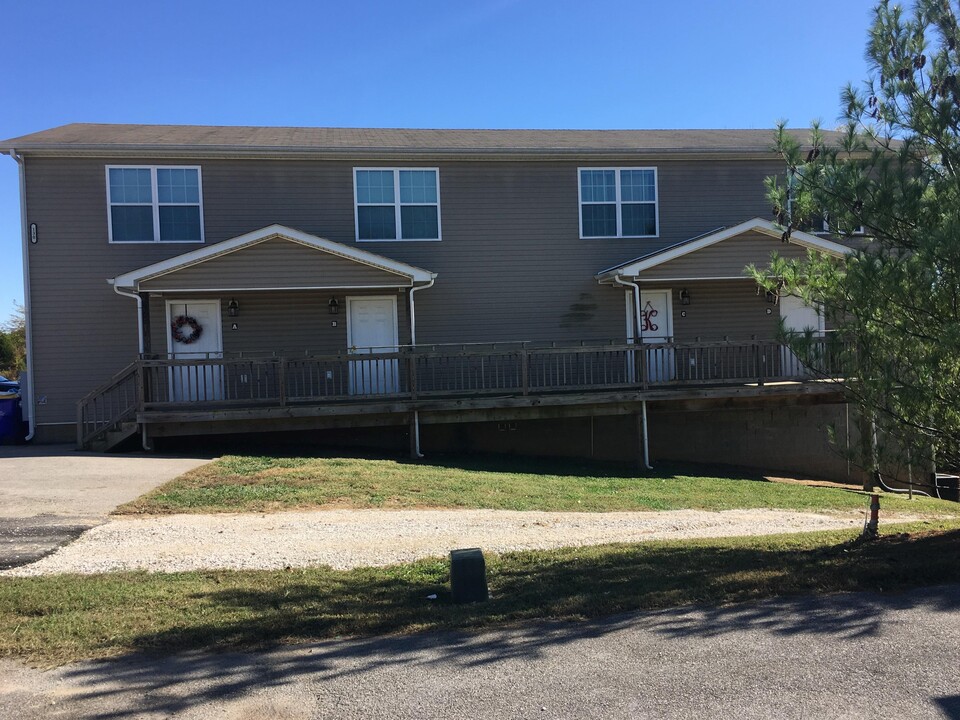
(273, 258)
(721, 254)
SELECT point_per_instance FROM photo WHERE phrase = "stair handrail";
(84, 437)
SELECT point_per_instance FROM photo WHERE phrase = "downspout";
(136, 296)
(139, 300)
(413, 345)
(638, 338)
(413, 316)
(27, 314)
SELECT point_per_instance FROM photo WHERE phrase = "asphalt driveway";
(49, 494)
(839, 656)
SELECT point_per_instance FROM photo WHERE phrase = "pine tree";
(895, 173)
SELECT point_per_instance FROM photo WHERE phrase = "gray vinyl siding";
(273, 264)
(721, 310)
(725, 259)
(511, 265)
(285, 324)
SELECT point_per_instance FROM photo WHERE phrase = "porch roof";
(273, 258)
(747, 243)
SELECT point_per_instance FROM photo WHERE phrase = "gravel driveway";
(352, 538)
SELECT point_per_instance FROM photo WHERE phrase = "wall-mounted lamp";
(684, 297)
(233, 308)
(334, 306)
(772, 297)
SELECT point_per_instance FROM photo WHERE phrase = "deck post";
(282, 380)
(642, 352)
(525, 371)
(412, 374)
(760, 359)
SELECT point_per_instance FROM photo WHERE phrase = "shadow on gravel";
(139, 684)
(949, 706)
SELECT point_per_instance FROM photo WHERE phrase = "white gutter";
(139, 300)
(638, 339)
(143, 428)
(27, 315)
(413, 316)
(413, 344)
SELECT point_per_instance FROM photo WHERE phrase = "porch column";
(145, 321)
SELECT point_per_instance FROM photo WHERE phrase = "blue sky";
(483, 64)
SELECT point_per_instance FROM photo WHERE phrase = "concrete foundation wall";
(793, 441)
(790, 440)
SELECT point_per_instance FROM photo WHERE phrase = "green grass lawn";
(240, 483)
(58, 619)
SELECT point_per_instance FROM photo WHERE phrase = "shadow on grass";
(257, 446)
(315, 606)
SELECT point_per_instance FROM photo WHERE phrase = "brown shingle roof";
(80, 137)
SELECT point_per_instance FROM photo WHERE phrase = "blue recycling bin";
(10, 417)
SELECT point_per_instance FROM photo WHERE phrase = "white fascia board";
(409, 272)
(755, 225)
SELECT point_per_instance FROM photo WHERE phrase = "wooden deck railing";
(114, 402)
(431, 373)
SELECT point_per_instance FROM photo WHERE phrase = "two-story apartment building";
(189, 280)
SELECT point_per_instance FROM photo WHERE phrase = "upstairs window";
(618, 202)
(397, 204)
(154, 204)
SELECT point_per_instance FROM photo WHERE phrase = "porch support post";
(145, 320)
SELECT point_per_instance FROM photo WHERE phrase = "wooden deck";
(177, 395)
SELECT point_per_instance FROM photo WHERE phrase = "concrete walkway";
(50, 494)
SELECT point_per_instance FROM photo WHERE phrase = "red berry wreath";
(177, 328)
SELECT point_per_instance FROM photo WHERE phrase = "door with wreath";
(194, 336)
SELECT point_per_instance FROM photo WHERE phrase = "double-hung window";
(397, 203)
(154, 204)
(618, 202)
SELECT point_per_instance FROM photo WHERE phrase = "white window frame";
(860, 230)
(619, 204)
(397, 204)
(155, 197)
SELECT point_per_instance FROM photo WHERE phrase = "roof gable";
(274, 257)
(743, 233)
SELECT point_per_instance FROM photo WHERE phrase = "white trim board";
(164, 291)
(765, 227)
(134, 278)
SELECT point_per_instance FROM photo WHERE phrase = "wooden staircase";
(108, 415)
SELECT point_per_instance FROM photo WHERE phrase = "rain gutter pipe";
(413, 345)
(27, 315)
(638, 338)
(136, 296)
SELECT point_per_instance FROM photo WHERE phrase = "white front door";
(372, 328)
(656, 328)
(798, 318)
(193, 333)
